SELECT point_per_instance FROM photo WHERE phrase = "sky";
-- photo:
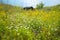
(33, 3)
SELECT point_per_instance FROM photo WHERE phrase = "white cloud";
(31, 2)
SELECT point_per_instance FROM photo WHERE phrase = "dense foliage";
(19, 24)
(40, 5)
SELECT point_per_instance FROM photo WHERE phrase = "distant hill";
(56, 7)
(8, 7)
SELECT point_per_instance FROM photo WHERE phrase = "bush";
(40, 5)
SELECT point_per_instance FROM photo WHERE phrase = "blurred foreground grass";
(19, 24)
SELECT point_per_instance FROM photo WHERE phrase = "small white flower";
(21, 26)
(27, 27)
(10, 27)
(16, 30)
(18, 33)
(48, 33)
(39, 27)
(56, 29)
(52, 28)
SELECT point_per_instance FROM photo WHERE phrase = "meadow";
(19, 24)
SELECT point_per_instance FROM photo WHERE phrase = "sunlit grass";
(19, 24)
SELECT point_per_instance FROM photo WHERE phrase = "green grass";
(19, 24)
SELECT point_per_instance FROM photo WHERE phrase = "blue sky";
(30, 2)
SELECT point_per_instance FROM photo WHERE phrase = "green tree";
(40, 5)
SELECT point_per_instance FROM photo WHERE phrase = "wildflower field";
(19, 24)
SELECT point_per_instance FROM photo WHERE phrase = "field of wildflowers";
(19, 24)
